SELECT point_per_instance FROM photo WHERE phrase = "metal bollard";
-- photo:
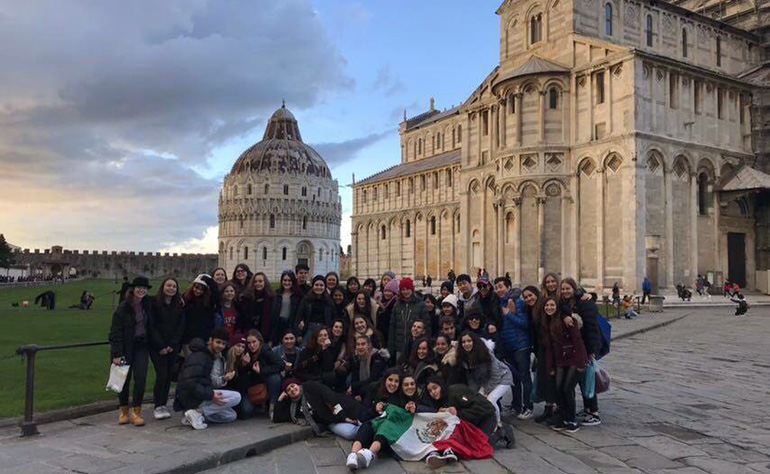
(29, 426)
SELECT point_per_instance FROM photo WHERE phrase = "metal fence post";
(29, 426)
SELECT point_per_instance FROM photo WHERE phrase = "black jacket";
(377, 366)
(277, 326)
(590, 332)
(199, 322)
(255, 314)
(315, 365)
(314, 309)
(194, 386)
(166, 326)
(269, 363)
(490, 307)
(472, 407)
(123, 328)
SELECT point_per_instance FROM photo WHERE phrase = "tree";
(6, 256)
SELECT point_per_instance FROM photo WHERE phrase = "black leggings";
(366, 437)
(566, 380)
(164, 365)
(138, 372)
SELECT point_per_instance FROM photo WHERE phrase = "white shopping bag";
(118, 375)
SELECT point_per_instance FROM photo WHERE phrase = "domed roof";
(281, 150)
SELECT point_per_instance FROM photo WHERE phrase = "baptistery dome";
(279, 205)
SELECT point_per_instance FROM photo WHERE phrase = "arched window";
(511, 104)
(608, 19)
(286, 189)
(459, 134)
(272, 221)
(648, 30)
(684, 43)
(408, 233)
(433, 225)
(536, 28)
(231, 253)
(435, 180)
(719, 51)
(457, 224)
(248, 190)
(553, 98)
(703, 194)
(283, 253)
(304, 190)
(304, 223)
(264, 253)
(449, 177)
(245, 253)
(422, 182)
(419, 145)
(267, 189)
(320, 254)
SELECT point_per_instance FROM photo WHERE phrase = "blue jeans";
(522, 382)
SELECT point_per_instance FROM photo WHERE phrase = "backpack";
(606, 329)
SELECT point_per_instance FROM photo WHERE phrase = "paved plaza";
(688, 397)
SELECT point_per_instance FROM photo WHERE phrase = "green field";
(64, 378)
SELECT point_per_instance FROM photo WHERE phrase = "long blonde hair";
(233, 360)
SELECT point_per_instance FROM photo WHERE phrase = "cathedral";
(280, 206)
(616, 140)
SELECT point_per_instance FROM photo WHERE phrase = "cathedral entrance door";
(305, 254)
(736, 258)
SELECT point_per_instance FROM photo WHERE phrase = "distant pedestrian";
(646, 290)
(743, 305)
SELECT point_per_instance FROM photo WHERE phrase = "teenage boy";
(302, 272)
(448, 327)
(468, 294)
(199, 388)
(406, 310)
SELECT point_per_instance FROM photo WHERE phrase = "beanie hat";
(392, 286)
(288, 382)
(319, 278)
(237, 338)
(451, 300)
(389, 273)
(200, 279)
(406, 283)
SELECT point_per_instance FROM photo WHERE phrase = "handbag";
(118, 376)
(588, 387)
(258, 394)
(602, 379)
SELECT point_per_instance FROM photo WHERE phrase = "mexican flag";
(413, 437)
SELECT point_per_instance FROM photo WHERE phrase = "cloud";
(339, 153)
(208, 243)
(111, 107)
(386, 83)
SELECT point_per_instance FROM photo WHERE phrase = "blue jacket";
(647, 286)
(516, 334)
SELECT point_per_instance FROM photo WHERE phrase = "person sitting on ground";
(319, 406)
(366, 367)
(362, 327)
(339, 339)
(288, 351)
(743, 305)
(446, 359)
(416, 332)
(199, 392)
(485, 372)
(422, 362)
(316, 361)
(475, 322)
(234, 362)
(628, 307)
(260, 365)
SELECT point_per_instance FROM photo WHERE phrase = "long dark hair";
(382, 391)
(552, 324)
(294, 282)
(534, 311)
(479, 355)
(248, 274)
(367, 310)
(414, 359)
(312, 344)
(176, 300)
(372, 283)
(438, 380)
(203, 300)
(252, 293)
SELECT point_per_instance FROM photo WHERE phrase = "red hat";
(288, 382)
(406, 283)
(237, 338)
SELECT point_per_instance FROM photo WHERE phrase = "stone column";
(517, 240)
(575, 227)
(427, 244)
(541, 118)
(693, 227)
(483, 224)
(465, 231)
(669, 245)
(439, 221)
(717, 247)
(541, 237)
(600, 227)
(493, 130)
(517, 102)
(354, 256)
(565, 243)
(500, 237)
(608, 91)
(454, 233)
(502, 115)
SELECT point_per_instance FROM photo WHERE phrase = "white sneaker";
(352, 462)
(525, 415)
(195, 420)
(161, 413)
(435, 461)
(365, 457)
(449, 456)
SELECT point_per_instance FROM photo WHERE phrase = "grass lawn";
(64, 378)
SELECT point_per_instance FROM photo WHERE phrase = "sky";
(119, 120)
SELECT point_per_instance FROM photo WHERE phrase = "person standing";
(646, 290)
(128, 345)
(315, 311)
(517, 348)
(241, 278)
(405, 311)
(199, 312)
(166, 328)
(302, 271)
(255, 308)
(285, 306)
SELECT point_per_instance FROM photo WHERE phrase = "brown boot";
(136, 416)
(123, 416)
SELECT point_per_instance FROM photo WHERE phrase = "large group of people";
(336, 355)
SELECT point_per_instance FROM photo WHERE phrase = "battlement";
(127, 253)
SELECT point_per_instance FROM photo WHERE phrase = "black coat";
(590, 332)
(315, 365)
(194, 386)
(199, 322)
(277, 326)
(377, 366)
(123, 328)
(314, 309)
(166, 326)
(269, 363)
(255, 314)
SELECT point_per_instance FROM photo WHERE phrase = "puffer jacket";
(404, 313)
(515, 334)
(166, 326)
(490, 376)
(123, 329)
(195, 386)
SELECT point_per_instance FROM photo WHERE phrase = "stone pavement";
(697, 413)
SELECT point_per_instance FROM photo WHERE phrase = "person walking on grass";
(199, 390)
(128, 345)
